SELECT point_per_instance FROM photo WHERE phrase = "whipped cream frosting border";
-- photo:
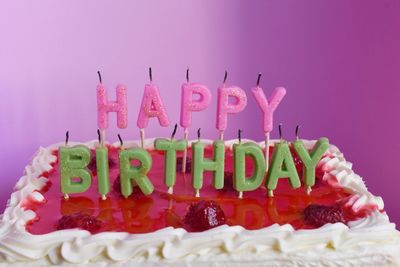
(169, 244)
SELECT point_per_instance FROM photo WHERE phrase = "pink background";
(339, 61)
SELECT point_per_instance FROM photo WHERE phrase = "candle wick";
(98, 135)
(225, 76)
(66, 138)
(297, 132)
(120, 140)
(240, 136)
(280, 131)
(150, 75)
(198, 133)
(174, 132)
(187, 75)
(99, 74)
(258, 79)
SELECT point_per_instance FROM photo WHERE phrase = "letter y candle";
(268, 107)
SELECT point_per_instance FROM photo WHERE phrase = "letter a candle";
(282, 166)
(151, 107)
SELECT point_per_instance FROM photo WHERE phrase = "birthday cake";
(167, 202)
(338, 223)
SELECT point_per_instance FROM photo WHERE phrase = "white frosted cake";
(40, 227)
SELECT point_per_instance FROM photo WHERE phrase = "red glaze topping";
(142, 214)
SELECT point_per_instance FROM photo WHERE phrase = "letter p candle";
(224, 107)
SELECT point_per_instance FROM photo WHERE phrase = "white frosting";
(370, 241)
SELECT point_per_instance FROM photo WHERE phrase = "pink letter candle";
(151, 107)
(268, 107)
(188, 105)
(104, 106)
(224, 107)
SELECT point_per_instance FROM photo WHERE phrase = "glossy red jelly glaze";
(141, 214)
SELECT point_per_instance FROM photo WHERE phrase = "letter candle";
(242, 183)
(224, 107)
(73, 165)
(103, 175)
(151, 107)
(310, 159)
(268, 107)
(188, 105)
(136, 174)
(282, 166)
(104, 106)
(201, 164)
(170, 147)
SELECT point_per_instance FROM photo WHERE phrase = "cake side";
(224, 243)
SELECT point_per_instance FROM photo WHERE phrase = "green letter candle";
(73, 163)
(282, 166)
(103, 176)
(310, 160)
(241, 182)
(200, 164)
(170, 147)
(135, 173)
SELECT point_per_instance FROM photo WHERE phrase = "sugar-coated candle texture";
(201, 164)
(268, 106)
(103, 176)
(188, 104)
(137, 173)
(75, 176)
(224, 107)
(152, 106)
(242, 183)
(170, 147)
(104, 106)
(282, 166)
(310, 159)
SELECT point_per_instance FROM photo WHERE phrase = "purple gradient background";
(339, 61)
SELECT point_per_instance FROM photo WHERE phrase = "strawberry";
(79, 220)
(203, 215)
(318, 215)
